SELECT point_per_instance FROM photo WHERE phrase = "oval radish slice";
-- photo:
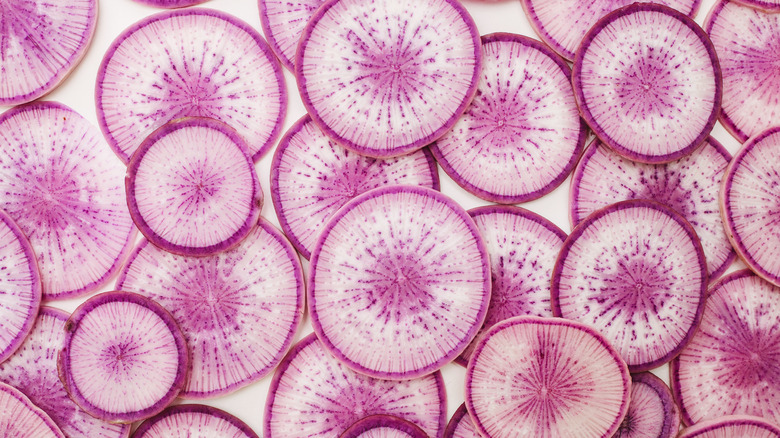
(406, 70)
(314, 395)
(124, 358)
(546, 377)
(170, 4)
(193, 62)
(730, 426)
(460, 425)
(19, 418)
(647, 81)
(185, 421)
(399, 282)
(383, 426)
(522, 134)
(652, 412)
(283, 22)
(635, 272)
(312, 177)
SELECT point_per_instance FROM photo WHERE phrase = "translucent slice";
(460, 425)
(170, 4)
(194, 421)
(731, 426)
(652, 412)
(19, 418)
(283, 22)
(383, 426)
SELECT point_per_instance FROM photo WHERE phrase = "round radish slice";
(647, 81)
(460, 425)
(193, 62)
(314, 395)
(652, 412)
(406, 70)
(124, 358)
(170, 4)
(238, 309)
(689, 186)
(383, 426)
(63, 187)
(283, 22)
(312, 177)
(522, 134)
(399, 282)
(186, 421)
(731, 426)
(19, 418)
(546, 377)
(192, 187)
(635, 272)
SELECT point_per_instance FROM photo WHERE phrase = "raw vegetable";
(460, 425)
(383, 426)
(771, 6)
(652, 411)
(283, 22)
(19, 418)
(193, 421)
(170, 4)
(731, 426)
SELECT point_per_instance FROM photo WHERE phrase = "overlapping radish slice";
(63, 187)
(522, 134)
(731, 426)
(314, 395)
(312, 177)
(635, 272)
(647, 81)
(771, 6)
(399, 282)
(546, 377)
(388, 79)
(652, 411)
(19, 418)
(383, 426)
(190, 62)
(460, 425)
(186, 421)
(283, 22)
(171, 4)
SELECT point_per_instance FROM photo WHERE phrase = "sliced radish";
(652, 412)
(546, 377)
(383, 426)
(647, 81)
(124, 358)
(192, 62)
(170, 4)
(732, 426)
(522, 134)
(19, 418)
(771, 6)
(283, 22)
(635, 272)
(314, 395)
(460, 425)
(192, 188)
(63, 187)
(388, 79)
(186, 421)
(312, 177)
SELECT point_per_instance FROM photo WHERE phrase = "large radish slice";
(383, 426)
(732, 426)
(387, 77)
(460, 425)
(189, 421)
(283, 22)
(647, 81)
(652, 411)
(19, 418)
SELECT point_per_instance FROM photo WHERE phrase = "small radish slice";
(314, 395)
(192, 188)
(732, 426)
(124, 358)
(283, 22)
(647, 81)
(171, 4)
(652, 412)
(406, 70)
(546, 377)
(312, 177)
(190, 62)
(19, 418)
(383, 426)
(460, 425)
(522, 134)
(399, 282)
(635, 272)
(186, 421)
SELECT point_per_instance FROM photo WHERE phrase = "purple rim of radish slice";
(652, 411)
(192, 188)
(648, 83)
(218, 67)
(181, 421)
(123, 359)
(171, 4)
(20, 418)
(460, 425)
(635, 272)
(63, 187)
(383, 426)
(546, 377)
(312, 177)
(399, 282)
(732, 426)
(283, 22)
(407, 70)
(731, 365)
(314, 395)
(689, 186)
(238, 310)
(522, 134)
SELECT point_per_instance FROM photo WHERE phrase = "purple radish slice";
(186, 421)
(171, 4)
(383, 426)
(124, 359)
(20, 418)
(314, 395)
(652, 411)
(647, 81)
(635, 272)
(192, 62)
(546, 377)
(399, 282)
(63, 187)
(312, 177)
(460, 425)
(283, 22)
(771, 6)
(522, 134)
(731, 426)
(238, 310)
(406, 70)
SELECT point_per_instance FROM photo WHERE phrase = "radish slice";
(648, 83)
(399, 282)
(170, 4)
(312, 177)
(63, 187)
(192, 187)
(522, 134)
(652, 412)
(283, 22)
(731, 426)
(771, 6)
(689, 185)
(186, 421)
(123, 358)
(314, 395)
(19, 418)
(383, 426)
(192, 62)
(406, 70)
(635, 272)
(238, 309)
(460, 425)
(546, 377)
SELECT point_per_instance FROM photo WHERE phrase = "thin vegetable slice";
(730, 426)
(170, 4)
(652, 411)
(19, 418)
(186, 421)
(383, 426)
(771, 6)
(460, 425)
(405, 71)
(283, 22)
